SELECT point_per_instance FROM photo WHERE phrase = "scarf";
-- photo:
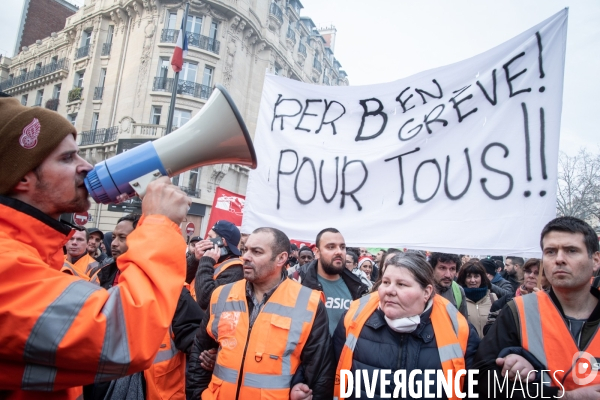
(475, 294)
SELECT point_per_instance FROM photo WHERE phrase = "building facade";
(108, 71)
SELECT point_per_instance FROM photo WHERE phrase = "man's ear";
(596, 261)
(282, 259)
(224, 241)
(26, 184)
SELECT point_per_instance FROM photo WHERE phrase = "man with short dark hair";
(500, 287)
(271, 333)
(60, 332)
(445, 268)
(218, 264)
(513, 271)
(328, 273)
(553, 331)
(95, 239)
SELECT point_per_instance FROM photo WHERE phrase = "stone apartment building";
(108, 71)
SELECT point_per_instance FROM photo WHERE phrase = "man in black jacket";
(264, 270)
(217, 265)
(513, 271)
(328, 273)
(566, 318)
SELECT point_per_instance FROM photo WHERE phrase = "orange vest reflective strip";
(545, 335)
(165, 379)
(269, 354)
(226, 264)
(451, 331)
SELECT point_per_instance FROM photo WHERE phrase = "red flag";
(226, 206)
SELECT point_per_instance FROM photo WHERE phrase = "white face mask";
(403, 325)
(406, 324)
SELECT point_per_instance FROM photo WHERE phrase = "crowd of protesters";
(137, 313)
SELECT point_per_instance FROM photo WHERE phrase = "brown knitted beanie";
(27, 136)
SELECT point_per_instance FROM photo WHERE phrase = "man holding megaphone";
(59, 331)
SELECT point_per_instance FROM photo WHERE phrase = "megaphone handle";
(141, 184)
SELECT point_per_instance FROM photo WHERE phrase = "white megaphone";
(216, 135)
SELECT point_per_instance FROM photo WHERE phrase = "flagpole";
(176, 78)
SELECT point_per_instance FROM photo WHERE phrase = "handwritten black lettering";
(421, 92)
(437, 165)
(305, 113)
(327, 106)
(314, 173)
(494, 100)
(275, 115)
(403, 102)
(486, 166)
(510, 78)
(427, 121)
(399, 157)
(351, 193)
(329, 200)
(367, 113)
(446, 186)
(455, 103)
(280, 172)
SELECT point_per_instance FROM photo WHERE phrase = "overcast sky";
(385, 40)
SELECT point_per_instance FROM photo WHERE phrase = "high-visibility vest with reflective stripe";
(218, 269)
(165, 379)
(269, 353)
(450, 328)
(78, 269)
(545, 335)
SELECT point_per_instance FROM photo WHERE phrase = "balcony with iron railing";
(295, 5)
(52, 104)
(302, 49)
(106, 49)
(276, 11)
(194, 40)
(74, 94)
(82, 52)
(99, 136)
(60, 65)
(317, 65)
(291, 35)
(183, 87)
(98, 91)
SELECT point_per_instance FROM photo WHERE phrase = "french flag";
(181, 49)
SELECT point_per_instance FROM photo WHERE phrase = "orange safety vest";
(450, 328)
(269, 352)
(218, 269)
(545, 335)
(79, 268)
(165, 379)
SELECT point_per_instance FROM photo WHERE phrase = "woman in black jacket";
(395, 328)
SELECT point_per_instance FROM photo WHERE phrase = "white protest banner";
(460, 159)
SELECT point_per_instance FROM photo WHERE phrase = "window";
(79, 78)
(188, 72)
(39, 97)
(86, 36)
(208, 76)
(180, 117)
(163, 67)
(23, 71)
(155, 116)
(72, 118)
(109, 34)
(213, 30)
(172, 21)
(95, 117)
(194, 24)
(38, 69)
(194, 179)
(102, 77)
(54, 60)
(24, 100)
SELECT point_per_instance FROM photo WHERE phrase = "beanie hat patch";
(29, 138)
